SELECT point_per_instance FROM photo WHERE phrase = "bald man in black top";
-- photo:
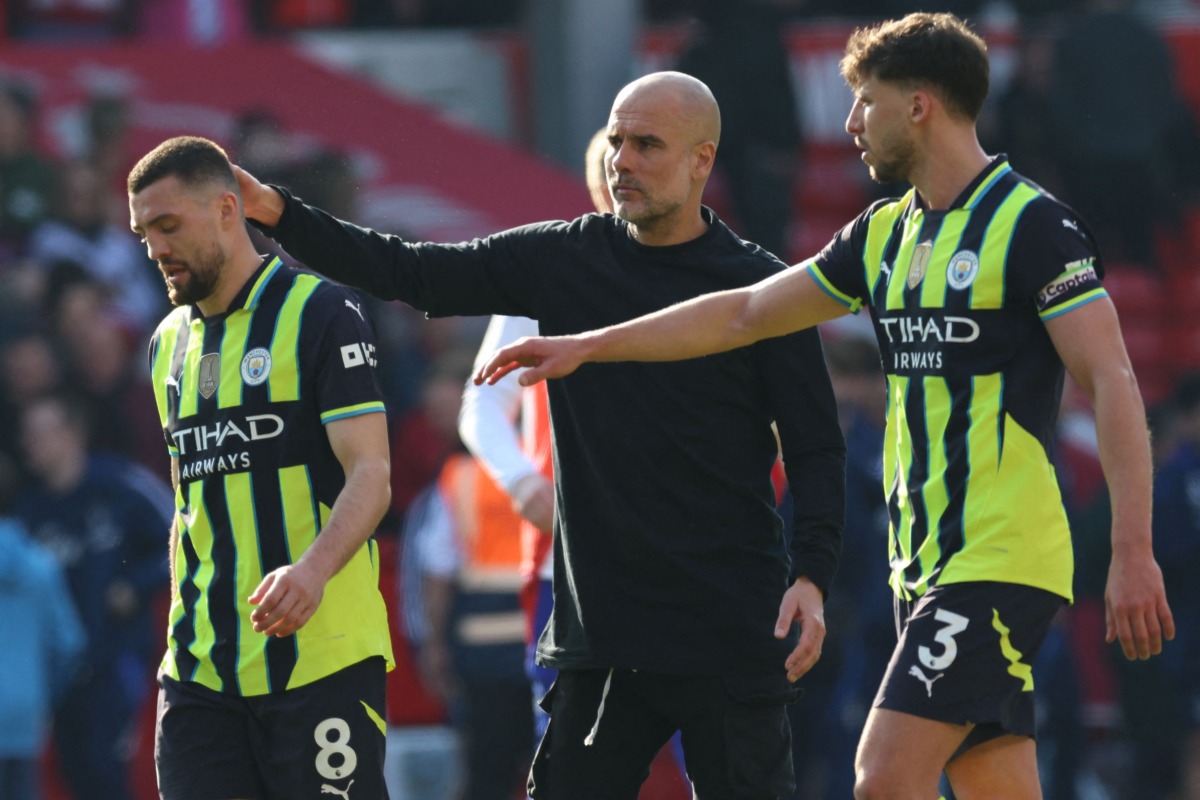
(675, 601)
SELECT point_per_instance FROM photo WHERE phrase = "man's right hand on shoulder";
(260, 202)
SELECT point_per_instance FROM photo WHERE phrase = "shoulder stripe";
(351, 411)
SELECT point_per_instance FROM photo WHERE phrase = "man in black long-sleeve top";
(670, 561)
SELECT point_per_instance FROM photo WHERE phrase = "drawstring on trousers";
(591, 737)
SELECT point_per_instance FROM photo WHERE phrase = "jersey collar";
(982, 183)
(251, 292)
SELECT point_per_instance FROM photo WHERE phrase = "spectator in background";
(1021, 122)
(42, 639)
(467, 555)
(82, 233)
(740, 54)
(106, 521)
(101, 359)
(425, 436)
(107, 150)
(29, 367)
(1177, 546)
(1115, 105)
(28, 181)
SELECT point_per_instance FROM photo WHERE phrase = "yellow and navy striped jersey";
(958, 299)
(243, 398)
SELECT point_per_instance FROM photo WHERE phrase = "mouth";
(623, 190)
(173, 273)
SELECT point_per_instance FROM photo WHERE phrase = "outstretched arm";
(1089, 341)
(789, 301)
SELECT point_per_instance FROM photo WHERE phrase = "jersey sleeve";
(343, 342)
(839, 267)
(487, 422)
(1054, 262)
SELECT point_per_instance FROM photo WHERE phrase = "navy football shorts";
(965, 656)
(319, 741)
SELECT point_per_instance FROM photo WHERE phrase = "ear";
(704, 155)
(229, 208)
(920, 106)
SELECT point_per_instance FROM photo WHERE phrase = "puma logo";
(916, 672)
(885, 269)
(356, 309)
(327, 789)
(188, 517)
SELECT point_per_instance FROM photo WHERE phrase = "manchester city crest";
(256, 366)
(210, 374)
(964, 266)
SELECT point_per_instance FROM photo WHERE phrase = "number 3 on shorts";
(333, 737)
(954, 624)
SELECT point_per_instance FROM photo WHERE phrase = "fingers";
(267, 582)
(283, 607)
(492, 372)
(1166, 618)
(806, 654)
(1141, 631)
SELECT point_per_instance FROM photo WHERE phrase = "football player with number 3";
(982, 289)
(277, 644)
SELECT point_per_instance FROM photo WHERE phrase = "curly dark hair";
(937, 51)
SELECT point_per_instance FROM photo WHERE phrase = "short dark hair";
(192, 159)
(923, 49)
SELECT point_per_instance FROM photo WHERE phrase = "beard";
(203, 273)
(894, 160)
(646, 213)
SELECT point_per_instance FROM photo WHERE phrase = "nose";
(854, 124)
(619, 157)
(156, 247)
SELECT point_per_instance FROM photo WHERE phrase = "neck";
(236, 270)
(941, 178)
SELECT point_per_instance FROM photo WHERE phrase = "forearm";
(352, 520)
(713, 323)
(1124, 457)
(786, 302)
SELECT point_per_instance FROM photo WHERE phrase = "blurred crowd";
(84, 470)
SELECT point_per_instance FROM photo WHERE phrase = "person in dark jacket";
(675, 599)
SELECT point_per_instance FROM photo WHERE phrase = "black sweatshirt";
(669, 555)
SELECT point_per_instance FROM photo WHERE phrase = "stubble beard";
(896, 165)
(203, 273)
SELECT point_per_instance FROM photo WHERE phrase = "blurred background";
(449, 119)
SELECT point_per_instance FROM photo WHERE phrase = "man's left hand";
(802, 603)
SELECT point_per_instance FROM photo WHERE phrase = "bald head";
(681, 96)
